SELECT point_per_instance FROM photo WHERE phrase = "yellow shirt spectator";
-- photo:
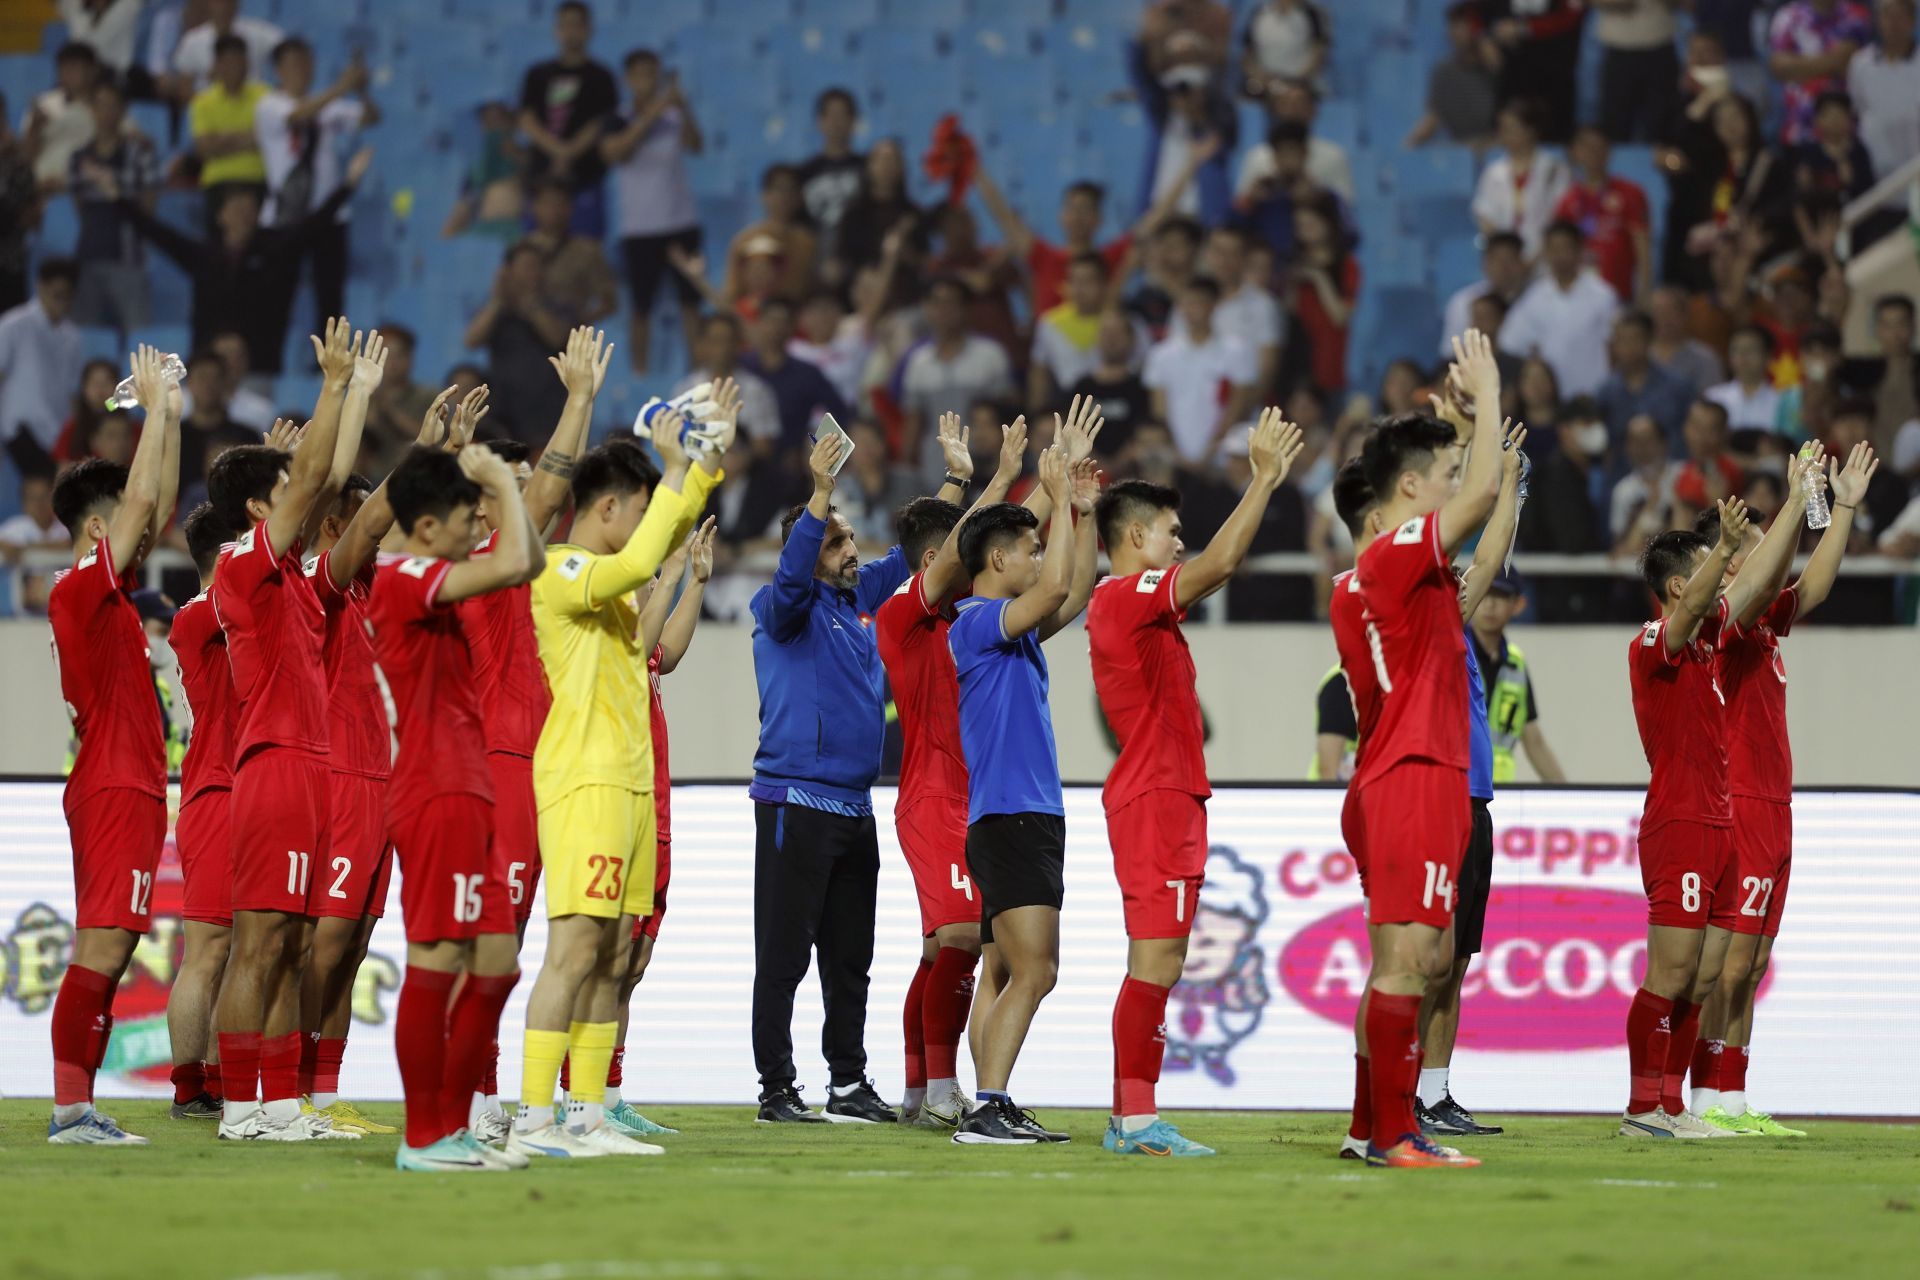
(214, 111)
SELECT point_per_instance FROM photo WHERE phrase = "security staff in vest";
(1513, 714)
(1336, 733)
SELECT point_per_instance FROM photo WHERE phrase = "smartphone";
(828, 427)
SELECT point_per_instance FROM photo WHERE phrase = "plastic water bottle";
(1819, 516)
(123, 396)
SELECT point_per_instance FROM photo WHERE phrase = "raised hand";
(487, 469)
(1013, 450)
(1512, 436)
(149, 383)
(1080, 428)
(726, 394)
(1479, 370)
(953, 446)
(334, 354)
(1850, 482)
(577, 364)
(666, 440)
(466, 419)
(285, 435)
(369, 363)
(691, 265)
(1800, 466)
(700, 549)
(1274, 446)
(1733, 523)
(433, 424)
(358, 166)
(1053, 475)
(1085, 479)
(603, 359)
(828, 450)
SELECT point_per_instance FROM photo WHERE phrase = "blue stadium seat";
(1456, 264)
(1434, 170)
(850, 12)
(1431, 215)
(102, 344)
(59, 227)
(174, 339)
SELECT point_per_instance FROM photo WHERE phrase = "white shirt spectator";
(194, 57)
(1634, 492)
(1568, 328)
(1886, 94)
(930, 385)
(1524, 210)
(1195, 379)
(1458, 316)
(1326, 165)
(1283, 37)
(250, 409)
(108, 32)
(21, 531)
(1755, 410)
(1647, 24)
(69, 127)
(1066, 361)
(759, 411)
(40, 364)
(1249, 313)
(1905, 525)
(656, 199)
(843, 360)
(280, 148)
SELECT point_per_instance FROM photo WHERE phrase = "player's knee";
(1039, 977)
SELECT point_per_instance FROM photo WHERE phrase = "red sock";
(1708, 1059)
(1393, 1061)
(80, 1020)
(309, 1057)
(1361, 1126)
(1139, 1045)
(97, 1049)
(1686, 1029)
(280, 1067)
(1649, 1032)
(240, 1066)
(949, 996)
(471, 1030)
(189, 1081)
(566, 1064)
(1733, 1068)
(420, 1042)
(616, 1070)
(329, 1053)
(213, 1085)
(490, 1083)
(913, 1021)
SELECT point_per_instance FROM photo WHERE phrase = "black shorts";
(646, 261)
(1473, 885)
(1017, 860)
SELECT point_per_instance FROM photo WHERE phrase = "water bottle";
(123, 396)
(1819, 516)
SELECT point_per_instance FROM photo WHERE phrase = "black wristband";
(962, 485)
(1844, 506)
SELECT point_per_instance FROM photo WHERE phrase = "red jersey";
(662, 776)
(201, 648)
(1682, 715)
(1609, 214)
(106, 678)
(1143, 673)
(513, 685)
(275, 630)
(357, 729)
(1047, 265)
(911, 632)
(423, 653)
(1753, 677)
(1418, 649)
(1348, 612)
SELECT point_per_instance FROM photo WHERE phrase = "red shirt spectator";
(1612, 213)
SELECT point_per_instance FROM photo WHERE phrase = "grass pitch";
(1557, 1197)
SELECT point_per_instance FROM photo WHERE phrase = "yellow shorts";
(597, 853)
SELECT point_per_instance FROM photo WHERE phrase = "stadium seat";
(852, 13)
(1456, 264)
(1434, 170)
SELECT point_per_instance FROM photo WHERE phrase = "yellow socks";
(540, 1075)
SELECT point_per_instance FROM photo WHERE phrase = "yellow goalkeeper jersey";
(598, 732)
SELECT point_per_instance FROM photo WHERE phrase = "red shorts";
(282, 819)
(649, 924)
(516, 832)
(1354, 831)
(933, 837)
(1762, 860)
(117, 835)
(1159, 841)
(204, 836)
(359, 861)
(1417, 818)
(445, 889)
(1685, 867)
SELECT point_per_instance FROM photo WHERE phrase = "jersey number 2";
(142, 892)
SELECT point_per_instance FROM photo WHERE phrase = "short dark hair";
(428, 482)
(112, 86)
(952, 284)
(779, 302)
(1402, 443)
(59, 268)
(552, 187)
(727, 318)
(774, 172)
(1582, 409)
(510, 451)
(292, 44)
(924, 524)
(1129, 500)
(1766, 339)
(1565, 227)
(1897, 301)
(1637, 318)
(1353, 497)
(1669, 553)
(1821, 333)
(792, 517)
(241, 475)
(991, 527)
(514, 250)
(640, 55)
(1089, 259)
(1504, 240)
(1203, 282)
(206, 533)
(619, 467)
(230, 43)
(1088, 188)
(76, 51)
(393, 330)
(573, 6)
(203, 355)
(1833, 98)
(1286, 133)
(85, 488)
(353, 491)
(1530, 112)
(836, 93)
(1491, 299)
(1855, 407)
(1181, 225)
(1714, 406)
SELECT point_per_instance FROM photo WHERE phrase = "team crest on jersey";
(243, 543)
(1149, 580)
(572, 567)
(1649, 635)
(90, 559)
(1410, 531)
(416, 566)
(312, 566)
(1222, 993)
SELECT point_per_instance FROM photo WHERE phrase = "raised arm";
(1044, 599)
(169, 467)
(678, 633)
(1075, 434)
(1753, 589)
(954, 437)
(1480, 376)
(660, 530)
(1014, 228)
(1275, 444)
(1703, 588)
(945, 570)
(312, 464)
(517, 555)
(582, 368)
(653, 613)
(369, 366)
(1496, 540)
(800, 554)
(1849, 487)
(131, 528)
(1085, 479)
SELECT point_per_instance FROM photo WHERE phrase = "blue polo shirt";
(1006, 729)
(1480, 737)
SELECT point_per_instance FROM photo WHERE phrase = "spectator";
(1202, 380)
(1639, 70)
(1267, 209)
(206, 428)
(782, 221)
(1488, 314)
(113, 289)
(34, 527)
(1519, 191)
(1538, 402)
(1690, 156)
(1764, 495)
(397, 406)
(1637, 385)
(989, 271)
(1081, 208)
(1401, 388)
(195, 55)
(1884, 82)
(492, 194)
(1562, 511)
(223, 120)
(1675, 349)
(952, 367)
(1806, 410)
(1257, 596)
(1323, 161)
(875, 212)
(1748, 397)
(1834, 161)
(1205, 499)
(1612, 213)
(1284, 40)
(870, 491)
(1786, 313)
(1248, 310)
(575, 277)
(41, 357)
(1172, 252)
(108, 27)
(1887, 492)
(1462, 87)
(657, 211)
(61, 121)
(521, 328)
(831, 178)
(716, 355)
(801, 393)
(1891, 379)
(566, 104)
(1539, 47)
(1642, 502)
(1811, 43)
(1177, 31)
(19, 214)
(1115, 382)
(1710, 473)
(1729, 24)
(1503, 273)
(1065, 345)
(1750, 188)
(244, 278)
(837, 344)
(98, 378)
(1192, 128)
(247, 401)
(1565, 316)
(1326, 285)
(111, 437)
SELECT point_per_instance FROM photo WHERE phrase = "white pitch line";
(1651, 1182)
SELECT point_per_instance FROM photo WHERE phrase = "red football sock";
(566, 1070)
(616, 1070)
(1648, 1035)
(329, 1053)
(471, 1030)
(420, 1042)
(1393, 1060)
(97, 1042)
(189, 1081)
(213, 1085)
(80, 1017)
(240, 1066)
(309, 1058)
(1139, 1045)
(948, 998)
(1361, 1127)
(280, 1067)
(1709, 1056)
(490, 1083)
(1686, 1029)
(1733, 1068)
(913, 1021)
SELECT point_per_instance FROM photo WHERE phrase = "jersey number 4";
(963, 883)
